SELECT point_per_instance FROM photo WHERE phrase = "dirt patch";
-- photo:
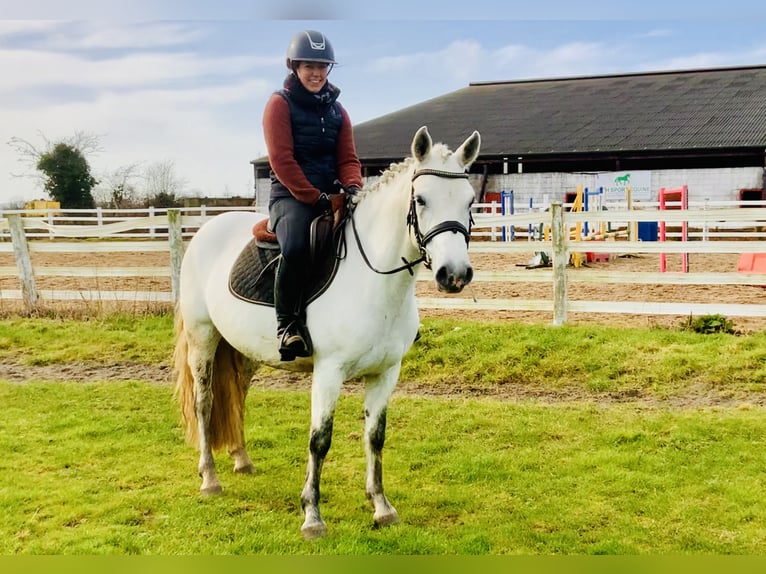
(273, 379)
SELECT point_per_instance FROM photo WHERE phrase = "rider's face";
(312, 75)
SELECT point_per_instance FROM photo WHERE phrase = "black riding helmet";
(310, 46)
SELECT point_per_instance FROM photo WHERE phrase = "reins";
(414, 225)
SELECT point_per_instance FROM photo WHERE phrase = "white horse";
(361, 326)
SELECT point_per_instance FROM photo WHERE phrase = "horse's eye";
(419, 200)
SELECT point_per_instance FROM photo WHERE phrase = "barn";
(541, 139)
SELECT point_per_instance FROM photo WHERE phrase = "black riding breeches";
(291, 222)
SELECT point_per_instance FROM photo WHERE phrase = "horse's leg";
(325, 390)
(379, 390)
(201, 360)
(242, 462)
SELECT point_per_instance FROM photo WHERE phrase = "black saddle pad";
(252, 276)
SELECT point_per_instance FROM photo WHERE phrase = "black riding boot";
(294, 340)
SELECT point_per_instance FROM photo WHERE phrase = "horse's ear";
(421, 144)
(469, 150)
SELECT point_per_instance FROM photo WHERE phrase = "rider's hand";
(323, 204)
(353, 189)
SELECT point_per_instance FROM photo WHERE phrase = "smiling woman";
(312, 157)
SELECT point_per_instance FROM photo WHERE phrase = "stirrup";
(292, 343)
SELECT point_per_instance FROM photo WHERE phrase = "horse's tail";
(231, 379)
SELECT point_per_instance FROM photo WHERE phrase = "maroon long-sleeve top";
(277, 132)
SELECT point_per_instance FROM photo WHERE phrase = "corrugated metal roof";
(655, 111)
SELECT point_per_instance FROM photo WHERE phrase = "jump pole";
(682, 193)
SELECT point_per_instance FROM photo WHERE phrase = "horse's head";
(440, 208)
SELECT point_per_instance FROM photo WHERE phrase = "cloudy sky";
(174, 82)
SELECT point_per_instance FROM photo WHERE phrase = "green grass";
(659, 363)
(481, 357)
(106, 339)
(101, 469)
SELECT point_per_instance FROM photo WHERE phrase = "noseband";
(414, 225)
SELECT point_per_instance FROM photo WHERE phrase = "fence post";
(51, 234)
(560, 261)
(23, 261)
(152, 229)
(176, 241)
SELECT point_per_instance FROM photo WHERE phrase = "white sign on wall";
(614, 184)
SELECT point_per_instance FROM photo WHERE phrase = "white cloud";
(458, 60)
(190, 127)
(11, 28)
(752, 57)
(467, 60)
(564, 60)
(81, 35)
(28, 68)
(658, 33)
(141, 35)
(153, 103)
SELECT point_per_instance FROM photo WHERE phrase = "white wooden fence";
(718, 230)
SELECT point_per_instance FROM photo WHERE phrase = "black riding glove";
(323, 204)
(353, 189)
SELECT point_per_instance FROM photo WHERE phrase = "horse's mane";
(395, 169)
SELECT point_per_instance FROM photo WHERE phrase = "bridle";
(413, 225)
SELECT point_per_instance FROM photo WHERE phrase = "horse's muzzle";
(452, 281)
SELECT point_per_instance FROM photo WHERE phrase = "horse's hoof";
(314, 530)
(213, 490)
(386, 519)
(245, 469)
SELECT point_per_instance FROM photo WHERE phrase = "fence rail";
(166, 231)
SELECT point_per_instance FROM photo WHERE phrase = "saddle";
(252, 276)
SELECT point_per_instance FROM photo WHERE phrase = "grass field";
(614, 442)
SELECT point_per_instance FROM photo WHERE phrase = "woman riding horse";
(310, 145)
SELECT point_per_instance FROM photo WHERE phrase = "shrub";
(707, 324)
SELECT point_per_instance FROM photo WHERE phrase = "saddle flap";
(321, 237)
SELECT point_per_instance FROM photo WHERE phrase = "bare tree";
(119, 188)
(161, 184)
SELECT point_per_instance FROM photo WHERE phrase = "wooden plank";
(86, 295)
(748, 215)
(94, 230)
(51, 271)
(99, 272)
(464, 304)
(663, 308)
(668, 246)
(589, 275)
(609, 307)
(622, 247)
(99, 247)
